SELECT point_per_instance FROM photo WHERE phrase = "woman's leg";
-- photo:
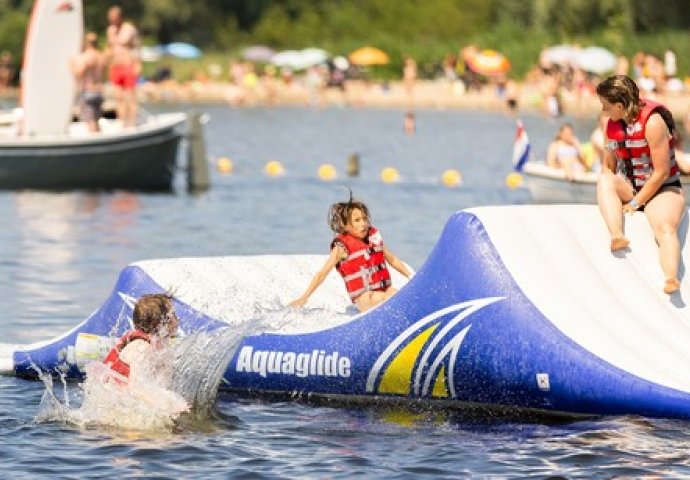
(612, 192)
(665, 212)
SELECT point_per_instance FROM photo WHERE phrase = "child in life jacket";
(359, 255)
(137, 372)
(155, 321)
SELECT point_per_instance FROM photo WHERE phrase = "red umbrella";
(488, 62)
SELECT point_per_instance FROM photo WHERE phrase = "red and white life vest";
(113, 359)
(629, 144)
(365, 267)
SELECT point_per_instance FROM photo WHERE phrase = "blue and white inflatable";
(516, 307)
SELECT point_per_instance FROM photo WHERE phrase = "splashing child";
(138, 363)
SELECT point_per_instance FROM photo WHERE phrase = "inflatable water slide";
(521, 308)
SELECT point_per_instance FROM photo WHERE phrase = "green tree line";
(427, 30)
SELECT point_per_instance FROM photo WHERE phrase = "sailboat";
(44, 149)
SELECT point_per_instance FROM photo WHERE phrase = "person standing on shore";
(88, 68)
(410, 74)
(125, 64)
(640, 147)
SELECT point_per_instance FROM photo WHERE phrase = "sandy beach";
(430, 94)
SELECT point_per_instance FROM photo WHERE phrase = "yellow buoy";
(327, 172)
(514, 180)
(451, 178)
(274, 168)
(224, 165)
(390, 175)
(590, 155)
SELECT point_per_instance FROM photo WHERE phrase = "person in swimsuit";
(88, 68)
(639, 171)
(566, 153)
(125, 64)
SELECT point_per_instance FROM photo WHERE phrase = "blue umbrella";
(182, 50)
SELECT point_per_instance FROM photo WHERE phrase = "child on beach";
(359, 255)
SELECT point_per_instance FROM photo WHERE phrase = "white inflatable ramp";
(520, 307)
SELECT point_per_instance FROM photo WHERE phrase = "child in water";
(154, 322)
(359, 255)
(140, 367)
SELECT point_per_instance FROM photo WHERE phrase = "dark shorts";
(90, 104)
(676, 183)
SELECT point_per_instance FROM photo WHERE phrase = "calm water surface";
(61, 254)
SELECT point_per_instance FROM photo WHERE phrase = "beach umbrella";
(314, 56)
(182, 50)
(563, 54)
(152, 54)
(258, 53)
(341, 63)
(369, 56)
(287, 58)
(596, 60)
(488, 62)
(299, 59)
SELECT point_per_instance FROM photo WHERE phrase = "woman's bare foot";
(619, 243)
(671, 285)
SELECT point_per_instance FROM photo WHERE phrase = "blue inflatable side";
(461, 330)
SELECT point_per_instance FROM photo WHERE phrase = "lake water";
(61, 255)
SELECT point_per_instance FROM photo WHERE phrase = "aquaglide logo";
(421, 360)
(316, 363)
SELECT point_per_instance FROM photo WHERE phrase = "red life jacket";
(365, 267)
(113, 359)
(629, 144)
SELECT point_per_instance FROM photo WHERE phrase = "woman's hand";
(631, 207)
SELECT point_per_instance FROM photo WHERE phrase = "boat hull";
(549, 185)
(141, 159)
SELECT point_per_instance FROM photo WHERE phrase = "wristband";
(633, 203)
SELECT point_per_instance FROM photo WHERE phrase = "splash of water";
(273, 316)
(200, 362)
(145, 402)
(180, 379)
(177, 382)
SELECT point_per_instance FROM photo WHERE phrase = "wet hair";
(621, 89)
(339, 214)
(152, 311)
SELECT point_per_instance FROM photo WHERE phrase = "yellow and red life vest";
(365, 267)
(629, 144)
(113, 359)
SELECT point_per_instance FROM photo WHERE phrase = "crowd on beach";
(549, 87)
(552, 87)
